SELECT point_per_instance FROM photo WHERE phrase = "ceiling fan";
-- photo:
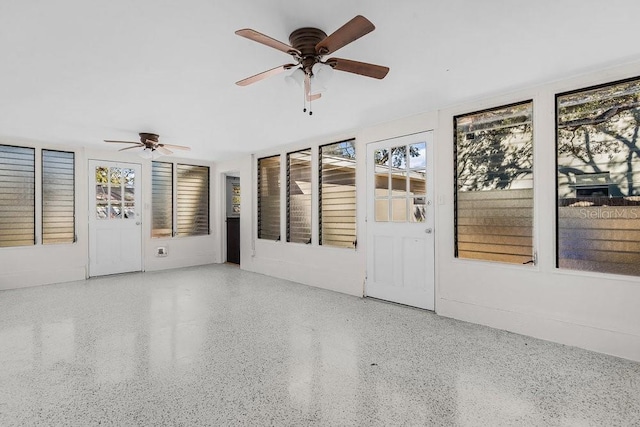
(149, 143)
(309, 46)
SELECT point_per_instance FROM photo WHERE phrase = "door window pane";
(494, 184)
(598, 179)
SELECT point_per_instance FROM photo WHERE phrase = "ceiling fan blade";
(268, 41)
(313, 97)
(131, 148)
(264, 75)
(175, 147)
(361, 68)
(122, 142)
(164, 150)
(349, 32)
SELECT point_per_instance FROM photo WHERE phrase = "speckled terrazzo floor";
(213, 345)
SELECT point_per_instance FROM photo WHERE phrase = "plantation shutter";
(337, 196)
(17, 196)
(58, 197)
(162, 199)
(269, 198)
(192, 200)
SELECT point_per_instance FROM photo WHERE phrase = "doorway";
(232, 191)
(400, 235)
(115, 232)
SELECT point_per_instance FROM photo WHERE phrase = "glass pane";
(418, 156)
(129, 177)
(417, 183)
(116, 176)
(382, 183)
(337, 220)
(116, 195)
(115, 211)
(381, 157)
(399, 157)
(129, 210)
(598, 179)
(161, 199)
(418, 209)
(58, 197)
(399, 210)
(102, 193)
(299, 196)
(269, 198)
(494, 184)
(102, 175)
(398, 183)
(17, 197)
(382, 210)
(101, 211)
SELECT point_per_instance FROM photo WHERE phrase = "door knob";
(137, 222)
(429, 230)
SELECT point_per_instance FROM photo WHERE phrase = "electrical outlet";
(161, 251)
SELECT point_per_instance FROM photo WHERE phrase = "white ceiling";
(75, 72)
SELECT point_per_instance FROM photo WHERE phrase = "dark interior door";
(233, 240)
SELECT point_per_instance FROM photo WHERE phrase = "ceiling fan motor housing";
(305, 40)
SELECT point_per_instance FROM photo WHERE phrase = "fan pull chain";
(310, 97)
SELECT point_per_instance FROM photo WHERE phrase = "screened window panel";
(337, 175)
(598, 179)
(192, 200)
(17, 196)
(494, 184)
(269, 198)
(299, 196)
(162, 199)
(58, 197)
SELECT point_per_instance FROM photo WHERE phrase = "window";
(58, 197)
(299, 196)
(162, 199)
(400, 189)
(269, 198)
(337, 198)
(17, 196)
(598, 179)
(191, 212)
(192, 200)
(494, 184)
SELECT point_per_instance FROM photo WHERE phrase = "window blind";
(162, 199)
(494, 184)
(269, 198)
(299, 196)
(17, 196)
(58, 197)
(337, 198)
(192, 200)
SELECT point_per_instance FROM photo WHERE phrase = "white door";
(115, 236)
(400, 235)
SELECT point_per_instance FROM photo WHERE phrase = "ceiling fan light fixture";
(323, 73)
(147, 154)
(295, 78)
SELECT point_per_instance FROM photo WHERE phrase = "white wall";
(45, 264)
(593, 311)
